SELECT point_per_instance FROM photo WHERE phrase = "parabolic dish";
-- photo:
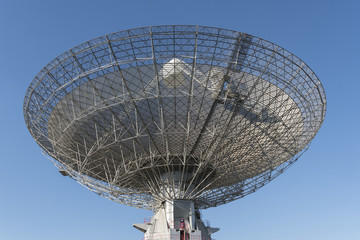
(175, 112)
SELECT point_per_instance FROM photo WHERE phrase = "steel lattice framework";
(175, 112)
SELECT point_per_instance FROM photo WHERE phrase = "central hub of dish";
(177, 177)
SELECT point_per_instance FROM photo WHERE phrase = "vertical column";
(176, 220)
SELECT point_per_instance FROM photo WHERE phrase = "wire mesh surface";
(175, 112)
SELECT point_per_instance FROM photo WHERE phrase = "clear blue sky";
(318, 198)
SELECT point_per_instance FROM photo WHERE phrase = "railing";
(147, 220)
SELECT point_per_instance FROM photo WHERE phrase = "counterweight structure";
(175, 119)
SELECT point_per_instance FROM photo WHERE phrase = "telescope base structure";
(176, 220)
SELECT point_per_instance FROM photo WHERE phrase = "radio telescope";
(175, 119)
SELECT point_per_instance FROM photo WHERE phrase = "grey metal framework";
(175, 112)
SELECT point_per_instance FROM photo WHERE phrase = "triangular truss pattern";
(175, 112)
